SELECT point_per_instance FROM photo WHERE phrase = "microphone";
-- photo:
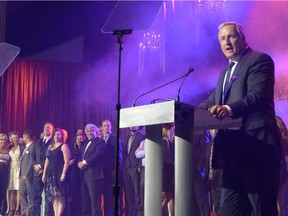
(184, 76)
(187, 74)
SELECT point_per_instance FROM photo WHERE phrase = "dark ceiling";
(37, 25)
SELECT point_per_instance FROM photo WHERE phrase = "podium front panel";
(187, 119)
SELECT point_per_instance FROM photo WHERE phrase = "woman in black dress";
(75, 207)
(55, 169)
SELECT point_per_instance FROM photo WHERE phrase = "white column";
(153, 171)
(184, 132)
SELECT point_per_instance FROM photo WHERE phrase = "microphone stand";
(116, 187)
(185, 75)
(178, 94)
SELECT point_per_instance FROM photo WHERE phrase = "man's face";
(231, 42)
(106, 126)
(25, 138)
(90, 133)
(48, 130)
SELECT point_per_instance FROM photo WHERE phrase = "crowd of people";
(75, 179)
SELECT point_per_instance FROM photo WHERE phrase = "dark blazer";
(94, 157)
(130, 160)
(39, 153)
(250, 95)
(26, 162)
(109, 160)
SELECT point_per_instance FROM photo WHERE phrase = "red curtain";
(34, 92)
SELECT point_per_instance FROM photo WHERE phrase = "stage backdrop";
(34, 92)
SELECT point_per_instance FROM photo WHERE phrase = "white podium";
(187, 119)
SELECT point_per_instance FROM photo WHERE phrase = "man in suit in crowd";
(26, 175)
(131, 175)
(92, 172)
(109, 165)
(39, 156)
(249, 155)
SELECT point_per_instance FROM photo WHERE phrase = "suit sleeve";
(29, 170)
(43, 157)
(209, 102)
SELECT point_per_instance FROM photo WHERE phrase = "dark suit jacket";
(39, 153)
(109, 158)
(26, 162)
(130, 160)
(250, 96)
(94, 157)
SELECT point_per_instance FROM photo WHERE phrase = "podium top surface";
(165, 112)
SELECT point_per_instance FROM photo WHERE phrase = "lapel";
(219, 89)
(22, 156)
(89, 147)
(237, 70)
(24, 152)
(44, 145)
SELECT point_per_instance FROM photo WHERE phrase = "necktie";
(130, 143)
(228, 76)
(106, 138)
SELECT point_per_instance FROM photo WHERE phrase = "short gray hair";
(92, 126)
(238, 27)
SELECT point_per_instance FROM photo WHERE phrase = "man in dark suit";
(249, 154)
(26, 174)
(92, 172)
(109, 165)
(131, 175)
(39, 156)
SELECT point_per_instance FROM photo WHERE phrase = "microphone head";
(190, 70)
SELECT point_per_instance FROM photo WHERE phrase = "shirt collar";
(27, 145)
(47, 138)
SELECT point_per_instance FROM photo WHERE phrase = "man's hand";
(37, 168)
(218, 111)
(81, 165)
(24, 178)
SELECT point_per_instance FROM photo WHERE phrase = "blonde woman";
(13, 194)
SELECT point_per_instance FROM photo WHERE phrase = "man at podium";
(248, 155)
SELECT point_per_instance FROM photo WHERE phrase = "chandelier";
(151, 42)
(211, 4)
